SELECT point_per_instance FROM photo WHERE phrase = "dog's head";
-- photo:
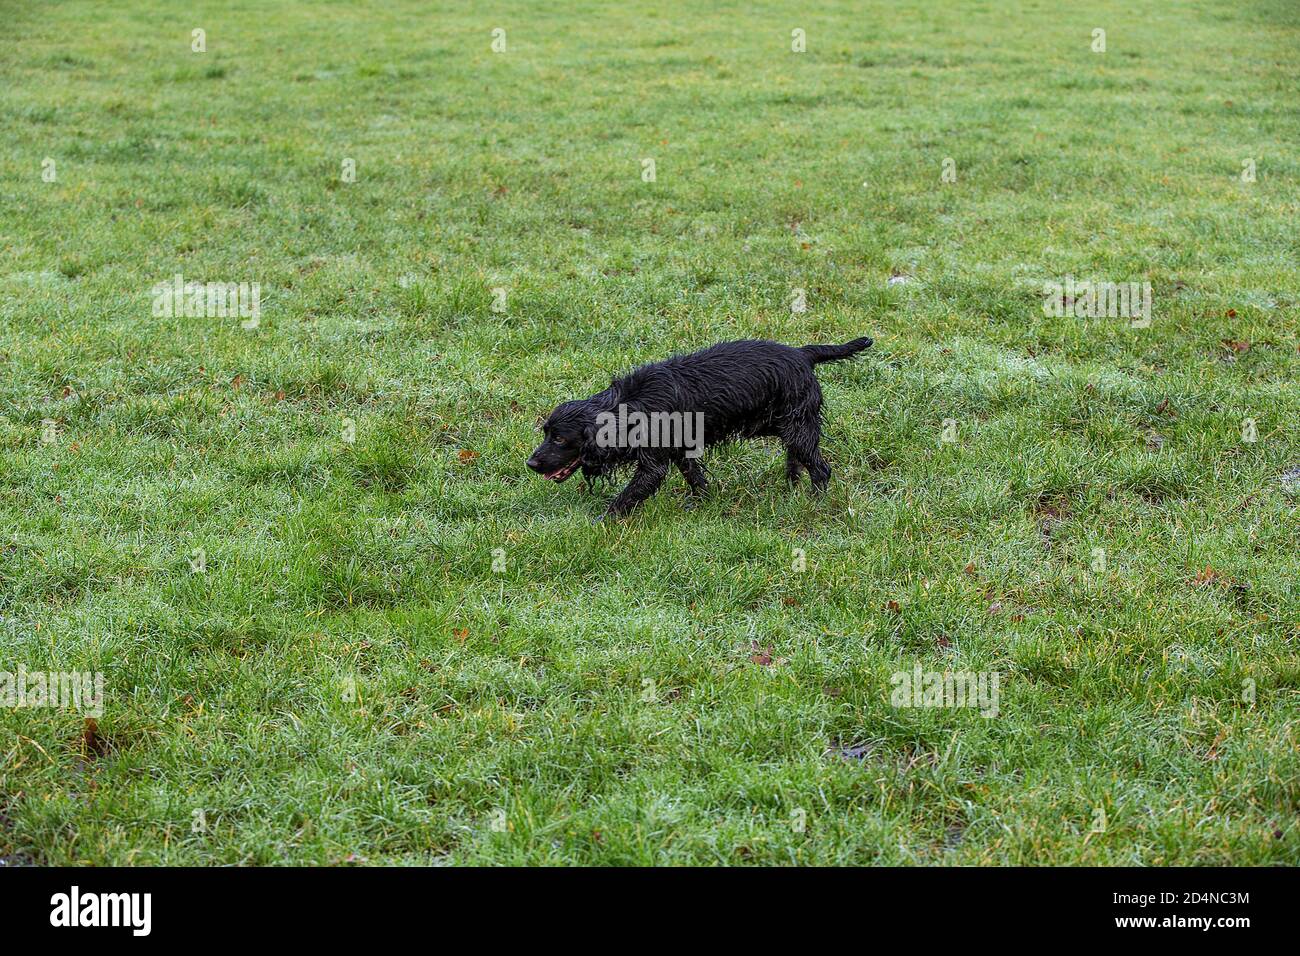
(570, 441)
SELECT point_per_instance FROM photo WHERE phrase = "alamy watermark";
(75, 908)
(78, 691)
(917, 688)
(1089, 299)
(637, 429)
(177, 298)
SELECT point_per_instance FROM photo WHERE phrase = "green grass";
(602, 695)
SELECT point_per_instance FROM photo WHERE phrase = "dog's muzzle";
(557, 474)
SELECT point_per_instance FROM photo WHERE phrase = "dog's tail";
(833, 353)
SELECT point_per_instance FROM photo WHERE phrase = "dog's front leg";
(645, 482)
(693, 472)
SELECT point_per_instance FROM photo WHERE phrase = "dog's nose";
(532, 463)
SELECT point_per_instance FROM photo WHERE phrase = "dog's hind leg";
(792, 468)
(811, 458)
(693, 472)
(645, 482)
(801, 435)
(818, 471)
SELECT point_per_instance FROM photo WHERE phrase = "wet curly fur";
(746, 389)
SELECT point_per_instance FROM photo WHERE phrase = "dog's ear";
(591, 450)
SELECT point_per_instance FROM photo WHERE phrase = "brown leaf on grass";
(1163, 408)
(237, 381)
(969, 569)
(892, 606)
(790, 602)
(1235, 345)
(461, 634)
(1154, 440)
(1231, 313)
(761, 655)
(995, 607)
(466, 456)
(1207, 576)
(944, 641)
(279, 395)
(93, 743)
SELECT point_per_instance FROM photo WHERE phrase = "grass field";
(337, 619)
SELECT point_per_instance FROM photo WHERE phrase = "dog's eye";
(558, 440)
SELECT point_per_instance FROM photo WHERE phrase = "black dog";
(674, 408)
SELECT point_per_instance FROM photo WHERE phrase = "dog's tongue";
(565, 471)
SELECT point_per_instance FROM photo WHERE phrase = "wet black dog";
(666, 413)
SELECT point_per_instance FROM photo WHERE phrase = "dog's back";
(745, 388)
